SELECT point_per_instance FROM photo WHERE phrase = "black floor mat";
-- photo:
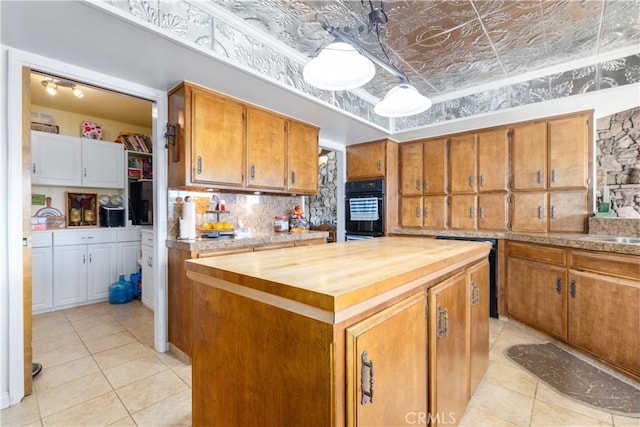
(577, 379)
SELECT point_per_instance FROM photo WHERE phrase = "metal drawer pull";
(558, 285)
(481, 212)
(379, 164)
(482, 180)
(418, 184)
(475, 293)
(553, 176)
(363, 372)
(199, 171)
(418, 212)
(472, 182)
(472, 212)
(443, 322)
(553, 212)
(426, 184)
(293, 177)
(539, 177)
(426, 212)
(572, 288)
(540, 212)
(253, 171)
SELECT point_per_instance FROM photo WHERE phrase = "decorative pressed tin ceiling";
(455, 52)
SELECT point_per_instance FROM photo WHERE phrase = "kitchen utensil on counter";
(188, 220)
(55, 219)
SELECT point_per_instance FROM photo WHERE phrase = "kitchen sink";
(615, 239)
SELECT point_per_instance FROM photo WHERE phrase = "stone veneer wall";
(250, 212)
(323, 208)
(618, 159)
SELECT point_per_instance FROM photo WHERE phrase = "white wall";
(4, 277)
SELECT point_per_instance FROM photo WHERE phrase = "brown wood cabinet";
(378, 160)
(568, 211)
(529, 211)
(223, 143)
(529, 157)
(463, 211)
(386, 365)
(589, 299)
(478, 294)
(266, 150)
(435, 166)
(411, 169)
(493, 211)
(302, 159)
(493, 160)
(424, 212)
(463, 154)
(367, 160)
(569, 152)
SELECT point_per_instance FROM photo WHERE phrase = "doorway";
(19, 64)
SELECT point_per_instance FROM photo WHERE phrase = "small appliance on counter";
(112, 216)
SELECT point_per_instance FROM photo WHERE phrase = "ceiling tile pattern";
(443, 46)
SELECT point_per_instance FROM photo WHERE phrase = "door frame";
(16, 60)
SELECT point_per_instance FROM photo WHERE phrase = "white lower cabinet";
(101, 270)
(147, 269)
(41, 272)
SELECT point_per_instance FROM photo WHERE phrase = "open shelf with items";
(81, 210)
(139, 167)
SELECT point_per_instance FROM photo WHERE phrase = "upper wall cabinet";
(221, 142)
(62, 160)
(462, 164)
(493, 160)
(367, 160)
(302, 159)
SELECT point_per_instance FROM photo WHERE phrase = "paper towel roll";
(188, 221)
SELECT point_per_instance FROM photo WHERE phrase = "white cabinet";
(41, 272)
(102, 164)
(147, 269)
(55, 159)
(73, 161)
(128, 251)
(84, 266)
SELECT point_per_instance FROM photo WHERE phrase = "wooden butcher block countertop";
(338, 276)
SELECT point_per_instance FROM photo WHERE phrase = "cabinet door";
(395, 342)
(266, 148)
(101, 270)
(102, 164)
(411, 172)
(478, 294)
(302, 158)
(41, 279)
(568, 152)
(217, 140)
(69, 275)
(493, 160)
(147, 277)
(128, 255)
(537, 295)
(604, 314)
(411, 211)
(463, 212)
(448, 355)
(434, 212)
(366, 161)
(493, 211)
(529, 157)
(56, 159)
(462, 164)
(568, 211)
(435, 166)
(529, 211)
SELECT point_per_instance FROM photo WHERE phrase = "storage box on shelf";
(81, 209)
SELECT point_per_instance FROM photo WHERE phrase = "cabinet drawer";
(606, 263)
(147, 237)
(222, 252)
(274, 246)
(41, 239)
(83, 237)
(128, 234)
(538, 253)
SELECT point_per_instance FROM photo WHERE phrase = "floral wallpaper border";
(202, 27)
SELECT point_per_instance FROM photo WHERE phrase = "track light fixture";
(51, 86)
(346, 64)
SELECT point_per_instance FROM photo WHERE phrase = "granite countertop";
(243, 240)
(590, 242)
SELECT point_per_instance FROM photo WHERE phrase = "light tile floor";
(100, 369)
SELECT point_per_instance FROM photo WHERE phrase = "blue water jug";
(135, 283)
(119, 291)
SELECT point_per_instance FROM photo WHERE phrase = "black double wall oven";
(364, 207)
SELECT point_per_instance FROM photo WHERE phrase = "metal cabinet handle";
(553, 212)
(418, 184)
(481, 212)
(253, 171)
(293, 177)
(553, 176)
(150, 261)
(539, 177)
(199, 171)
(540, 212)
(85, 172)
(379, 164)
(90, 258)
(572, 288)
(426, 212)
(443, 322)
(418, 212)
(84, 258)
(426, 184)
(472, 181)
(363, 371)
(482, 180)
(472, 212)
(34, 168)
(558, 285)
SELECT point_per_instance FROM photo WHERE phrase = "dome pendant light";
(338, 66)
(402, 100)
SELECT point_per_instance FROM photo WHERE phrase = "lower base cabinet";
(41, 279)
(395, 342)
(588, 299)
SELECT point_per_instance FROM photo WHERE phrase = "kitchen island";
(291, 336)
